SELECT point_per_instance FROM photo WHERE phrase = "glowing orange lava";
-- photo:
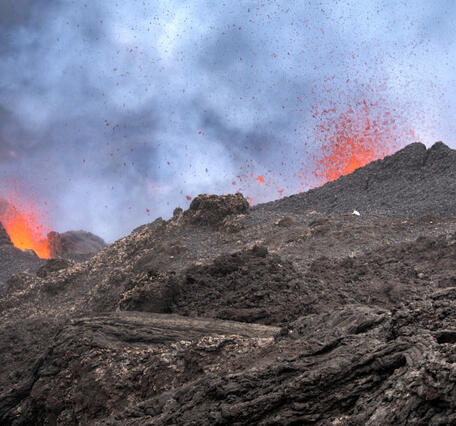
(25, 233)
(23, 221)
(343, 156)
(355, 137)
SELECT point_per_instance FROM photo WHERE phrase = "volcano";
(22, 223)
(14, 240)
(25, 231)
(290, 312)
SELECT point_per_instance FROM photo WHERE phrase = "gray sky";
(113, 113)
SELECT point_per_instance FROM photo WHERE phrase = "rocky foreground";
(291, 312)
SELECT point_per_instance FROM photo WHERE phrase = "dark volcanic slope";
(412, 182)
(294, 312)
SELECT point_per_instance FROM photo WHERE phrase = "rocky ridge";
(415, 181)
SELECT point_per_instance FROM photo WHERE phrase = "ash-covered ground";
(291, 312)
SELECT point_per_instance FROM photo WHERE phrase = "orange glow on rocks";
(23, 222)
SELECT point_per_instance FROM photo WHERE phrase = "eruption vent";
(356, 126)
(353, 138)
(24, 227)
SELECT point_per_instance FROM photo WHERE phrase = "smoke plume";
(115, 113)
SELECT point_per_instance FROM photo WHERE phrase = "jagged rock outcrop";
(73, 243)
(209, 209)
(251, 286)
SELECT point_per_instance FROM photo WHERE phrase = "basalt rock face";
(278, 314)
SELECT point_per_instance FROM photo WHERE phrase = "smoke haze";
(116, 113)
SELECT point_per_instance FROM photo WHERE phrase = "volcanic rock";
(74, 243)
(78, 380)
(4, 237)
(208, 209)
(251, 286)
(149, 292)
(53, 265)
(366, 366)
(221, 317)
(286, 221)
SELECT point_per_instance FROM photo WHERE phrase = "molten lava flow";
(353, 138)
(23, 222)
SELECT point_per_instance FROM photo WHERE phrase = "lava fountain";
(344, 133)
(23, 223)
(356, 136)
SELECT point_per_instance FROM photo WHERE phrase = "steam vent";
(295, 311)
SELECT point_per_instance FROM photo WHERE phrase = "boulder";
(209, 209)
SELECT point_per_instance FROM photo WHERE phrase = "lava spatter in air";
(355, 136)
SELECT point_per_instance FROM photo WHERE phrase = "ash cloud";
(114, 113)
